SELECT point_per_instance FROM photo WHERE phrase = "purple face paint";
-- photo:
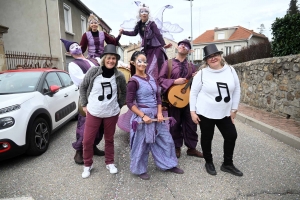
(75, 49)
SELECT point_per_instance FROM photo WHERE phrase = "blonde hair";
(223, 62)
(104, 57)
(92, 17)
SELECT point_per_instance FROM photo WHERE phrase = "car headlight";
(6, 122)
(10, 108)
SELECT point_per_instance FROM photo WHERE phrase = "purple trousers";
(77, 145)
(155, 58)
(184, 129)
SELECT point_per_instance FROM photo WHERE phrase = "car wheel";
(39, 137)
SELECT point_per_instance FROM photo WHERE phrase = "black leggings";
(228, 131)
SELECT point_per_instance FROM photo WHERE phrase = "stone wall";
(272, 84)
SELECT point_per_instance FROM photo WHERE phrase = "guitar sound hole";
(183, 91)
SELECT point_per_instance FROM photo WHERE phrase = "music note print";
(105, 84)
(219, 98)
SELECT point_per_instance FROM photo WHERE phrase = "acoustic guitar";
(179, 95)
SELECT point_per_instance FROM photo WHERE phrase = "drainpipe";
(48, 29)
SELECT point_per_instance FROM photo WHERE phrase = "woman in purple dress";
(147, 134)
(153, 46)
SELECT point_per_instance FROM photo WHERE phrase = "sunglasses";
(213, 56)
(141, 62)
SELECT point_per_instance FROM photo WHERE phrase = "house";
(35, 27)
(228, 40)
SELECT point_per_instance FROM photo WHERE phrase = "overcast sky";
(206, 14)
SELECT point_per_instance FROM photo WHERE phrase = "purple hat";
(67, 44)
(185, 41)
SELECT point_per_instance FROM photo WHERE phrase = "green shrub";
(286, 35)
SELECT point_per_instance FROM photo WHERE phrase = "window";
(83, 24)
(221, 36)
(203, 53)
(65, 79)
(52, 79)
(45, 88)
(197, 54)
(68, 18)
(237, 48)
(227, 51)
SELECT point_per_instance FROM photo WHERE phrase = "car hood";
(13, 99)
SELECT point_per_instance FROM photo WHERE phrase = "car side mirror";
(54, 88)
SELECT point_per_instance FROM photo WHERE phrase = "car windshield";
(18, 82)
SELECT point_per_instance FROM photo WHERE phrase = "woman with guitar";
(173, 81)
(149, 132)
(214, 100)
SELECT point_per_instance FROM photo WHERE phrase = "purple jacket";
(152, 37)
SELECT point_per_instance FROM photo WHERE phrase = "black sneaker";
(210, 168)
(231, 169)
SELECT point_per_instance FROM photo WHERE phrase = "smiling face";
(110, 61)
(214, 61)
(94, 25)
(140, 63)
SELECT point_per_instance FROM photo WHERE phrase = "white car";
(33, 104)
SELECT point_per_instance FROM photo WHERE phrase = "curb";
(272, 131)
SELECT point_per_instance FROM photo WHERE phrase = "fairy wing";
(128, 24)
(166, 28)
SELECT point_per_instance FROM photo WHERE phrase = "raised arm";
(132, 33)
(111, 40)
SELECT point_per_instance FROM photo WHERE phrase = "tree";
(261, 28)
(293, 9)
(286, 35)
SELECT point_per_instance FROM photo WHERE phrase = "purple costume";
(84, 66)
(152, 43)
(95, 44)
(154, 137)
(184, 129)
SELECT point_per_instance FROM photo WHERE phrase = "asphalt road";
(271, 171)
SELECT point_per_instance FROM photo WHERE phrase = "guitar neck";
(188, 83)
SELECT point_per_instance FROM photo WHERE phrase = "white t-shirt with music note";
(102, 101)
(219, 93)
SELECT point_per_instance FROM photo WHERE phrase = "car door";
(72, 92)
(57, 102)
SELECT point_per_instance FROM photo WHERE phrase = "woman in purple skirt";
(146, 134)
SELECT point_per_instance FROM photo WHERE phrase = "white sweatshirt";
(216, 93)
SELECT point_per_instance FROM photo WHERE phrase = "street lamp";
(192, 55)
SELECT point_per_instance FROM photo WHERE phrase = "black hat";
(110, 49)
(185, 41)
(210, 49)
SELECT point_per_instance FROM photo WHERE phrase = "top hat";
(110, 49)
(185, 41)
(67, 44)
(209, 50)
